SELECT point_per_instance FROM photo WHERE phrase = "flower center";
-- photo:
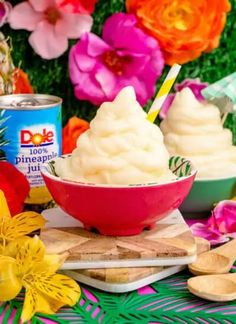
(180, 16)
(115, 62)
(52, 15)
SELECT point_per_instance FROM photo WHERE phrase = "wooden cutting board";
(169, 243)
(123, 275)
(123, 286)
(120, 280)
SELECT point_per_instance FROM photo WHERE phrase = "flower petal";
(51, 263)
(42, 5)
(73, 25)
(48, 305)
(121, 32)
(88, 87)
(21, 85)
(107, 82)
(56, 286)
(223, 217)
(71, 132)
(140, 87)
(37, 302)
(46, 42)
(5, 8)
(95, 45)
(4, 210)
(30, 304)
(195, 85)
(166, 105)
(77, 6)
(78, 59)
(83, 55)
(14, 246)
(10, 283)
(23, 16)
(23, 224)
(31, 252)
(202, 230)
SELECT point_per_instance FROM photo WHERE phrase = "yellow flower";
(17, 226)
(26, 265)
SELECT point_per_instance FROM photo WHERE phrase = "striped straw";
(163, 92)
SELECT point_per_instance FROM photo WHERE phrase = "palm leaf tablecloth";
(164, 302)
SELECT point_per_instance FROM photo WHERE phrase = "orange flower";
(21, 82)
(184, 28)
(70, 133)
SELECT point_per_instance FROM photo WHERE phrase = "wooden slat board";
(120, 280)
(124, 275)
(169, 243)
(120, 287)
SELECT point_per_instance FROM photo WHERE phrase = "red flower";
(21, 82)
(70, 133)
(14, 185)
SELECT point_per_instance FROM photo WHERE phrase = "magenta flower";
(223, 217)
(202, 230)
(221, 226)
(100, 68)
(5, 8)
(51, 27)
(194, 84)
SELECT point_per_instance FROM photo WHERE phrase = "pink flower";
(5, 8)
(100, 68)
(221, 226)
(223, 217)
(194, 84)
(202, 230)
(51, 27)
(79, 6)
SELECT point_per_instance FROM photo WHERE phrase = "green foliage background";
(52, 76)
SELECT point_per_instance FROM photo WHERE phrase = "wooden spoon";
(216, 261)
(214, 287)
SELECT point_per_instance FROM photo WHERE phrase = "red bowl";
(120, 210)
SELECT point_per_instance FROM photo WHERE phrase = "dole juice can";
(30, 135)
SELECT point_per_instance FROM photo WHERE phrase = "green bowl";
(205, 193)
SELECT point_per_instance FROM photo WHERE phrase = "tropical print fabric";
(164, 302)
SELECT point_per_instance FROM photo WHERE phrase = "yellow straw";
(163, 92)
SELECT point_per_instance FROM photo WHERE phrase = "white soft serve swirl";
(194, 131)
(121, 147)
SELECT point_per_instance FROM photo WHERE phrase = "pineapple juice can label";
(30, 135)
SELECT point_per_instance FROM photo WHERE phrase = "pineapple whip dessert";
(194, 130)
(121, 147)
